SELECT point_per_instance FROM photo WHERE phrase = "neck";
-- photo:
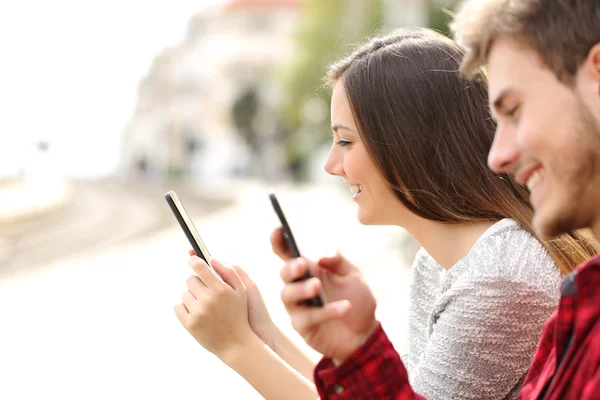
(447, 243)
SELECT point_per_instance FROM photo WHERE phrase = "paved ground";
(80, 216)
(99, 324)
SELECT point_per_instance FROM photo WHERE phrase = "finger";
(204, 272)
(305, 318)
(278, 244)
(293, 269)
(229, 275)
(329, 261)
(297, 269)
(246, 280)
(294, 293)
(336, 264)
(188, 300)
(192, 252)
(182, 313)
(195, 286)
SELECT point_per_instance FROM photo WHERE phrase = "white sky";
(69, 72)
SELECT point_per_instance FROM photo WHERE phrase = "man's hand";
(344, 323)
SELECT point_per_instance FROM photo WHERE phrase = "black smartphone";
(187, 226)
(293, 247)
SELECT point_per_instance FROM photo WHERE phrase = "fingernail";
(311, 286)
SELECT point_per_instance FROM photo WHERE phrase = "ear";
(588, 76)
(591, 65)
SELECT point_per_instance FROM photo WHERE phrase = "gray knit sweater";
(473, 329)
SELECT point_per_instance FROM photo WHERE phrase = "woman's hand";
(258, 316)
(343, 324)
(215, 311)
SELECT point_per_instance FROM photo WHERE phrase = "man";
(543, 64)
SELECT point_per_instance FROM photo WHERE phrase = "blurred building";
(207, 105)
(406, 12)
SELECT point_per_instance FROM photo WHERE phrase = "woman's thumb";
(228, 274)
(336, 263)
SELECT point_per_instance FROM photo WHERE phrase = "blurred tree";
(438, 15)
(244, 111)
(326, 29)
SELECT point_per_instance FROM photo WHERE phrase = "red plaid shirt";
(565, 366)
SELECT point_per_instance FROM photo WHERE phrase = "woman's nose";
(334, 163)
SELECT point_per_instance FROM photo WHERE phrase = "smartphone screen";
(187, 226)
(292, 246)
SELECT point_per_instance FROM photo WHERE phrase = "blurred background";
(108, 105)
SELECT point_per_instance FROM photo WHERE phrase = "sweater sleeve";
(483, 338)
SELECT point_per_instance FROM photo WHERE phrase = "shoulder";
(508, 253)
(425, 276)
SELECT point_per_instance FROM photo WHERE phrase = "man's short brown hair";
(562, 32)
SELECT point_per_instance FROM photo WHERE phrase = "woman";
(411, 138)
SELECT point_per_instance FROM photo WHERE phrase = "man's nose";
(504, 153)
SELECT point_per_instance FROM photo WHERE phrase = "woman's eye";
(513, 111)
(343, 143)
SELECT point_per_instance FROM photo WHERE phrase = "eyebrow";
(335, 127)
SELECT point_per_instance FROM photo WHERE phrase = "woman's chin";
(364, 218)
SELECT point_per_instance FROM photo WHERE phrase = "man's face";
(548, 137)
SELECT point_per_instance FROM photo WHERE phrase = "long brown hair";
(429, 131)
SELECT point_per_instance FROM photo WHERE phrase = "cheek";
(557, 143)
(359, 167)
(537, 139)
(528, 134)
(354, 165)
(549, 128)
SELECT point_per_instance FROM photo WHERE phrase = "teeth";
(534, 179)
(355, 188)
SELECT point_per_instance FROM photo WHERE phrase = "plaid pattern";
(374, 371)
(566, 364)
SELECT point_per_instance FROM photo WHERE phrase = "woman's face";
(349, 159)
